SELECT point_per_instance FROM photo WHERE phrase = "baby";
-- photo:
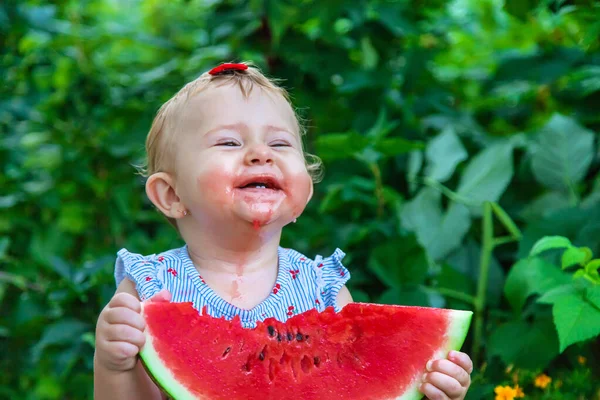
(226, 166)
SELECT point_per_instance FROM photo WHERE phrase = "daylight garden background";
(455, 135)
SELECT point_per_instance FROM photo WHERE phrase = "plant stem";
(432, 183)
(504, 239)
(378, 189)
(484, 267)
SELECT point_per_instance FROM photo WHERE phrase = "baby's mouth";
(266, 183)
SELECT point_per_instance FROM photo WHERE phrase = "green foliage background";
(422, 111)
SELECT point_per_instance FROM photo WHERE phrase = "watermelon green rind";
(155, 367)
(457, 333)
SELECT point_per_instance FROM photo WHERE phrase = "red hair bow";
(227, 67)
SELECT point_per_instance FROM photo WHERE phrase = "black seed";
(290, 337)
(278, 337)
(317, 361)
(271, 330)
(261, 356)
(299, 337)
(227, 350)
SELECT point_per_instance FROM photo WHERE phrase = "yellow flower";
(505, 393)
(581, 360)
(519, 392)
(542, 381)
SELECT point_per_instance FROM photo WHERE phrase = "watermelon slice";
(366, 351)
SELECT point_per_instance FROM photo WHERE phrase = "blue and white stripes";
(302, 283)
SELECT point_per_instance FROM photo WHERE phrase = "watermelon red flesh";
(366, 351)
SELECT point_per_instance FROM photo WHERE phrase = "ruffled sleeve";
(331, 276)
(141, 270)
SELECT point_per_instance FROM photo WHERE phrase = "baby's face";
(240, 158)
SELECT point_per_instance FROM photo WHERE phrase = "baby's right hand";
(120, 331)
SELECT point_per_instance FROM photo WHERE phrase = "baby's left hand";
(448, 379)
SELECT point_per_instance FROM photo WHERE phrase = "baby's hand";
(448, 379)
(120, 331)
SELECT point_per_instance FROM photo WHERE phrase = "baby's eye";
(228, 143)
(280, 144)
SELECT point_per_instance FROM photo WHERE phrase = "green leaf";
(545, 204)
(488, 174)
(592, 266)
(280, 17)
(549, 243)
(555, 294)
(382, 126)
(370, 57)
(399, 261)
(524, 344)
(562, 153)
(574, 223)
(59, 333)
(438, 232)
(576, 319)
(411, 296)
(4, 246)
(394, 146)
(334, 146)
(576, 256)
(592, 294)
(443, 154)
(520, 8)
(466, 260)
(584, 81)
(531, 276)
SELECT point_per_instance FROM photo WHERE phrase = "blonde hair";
(160, 138)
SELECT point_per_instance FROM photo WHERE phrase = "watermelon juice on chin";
(250, 319)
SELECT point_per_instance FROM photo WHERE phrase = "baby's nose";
(259, 154)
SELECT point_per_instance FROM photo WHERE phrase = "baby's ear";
(161, 192)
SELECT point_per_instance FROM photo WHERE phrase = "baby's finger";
(163, 295)
(461, 359)
(432, 392)
(121, 350)
(125, 316)
(449, 368)
(445, 383)
(125, 300)
(125, 333)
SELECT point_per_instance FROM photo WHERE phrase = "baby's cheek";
(216, 186)
(299, 187)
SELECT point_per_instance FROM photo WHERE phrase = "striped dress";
(302, 283)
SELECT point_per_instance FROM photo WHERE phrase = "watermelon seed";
(299, 337)
(227, 350)
(271, 330)
(317, 361)
(261, 356)
(290, 337)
